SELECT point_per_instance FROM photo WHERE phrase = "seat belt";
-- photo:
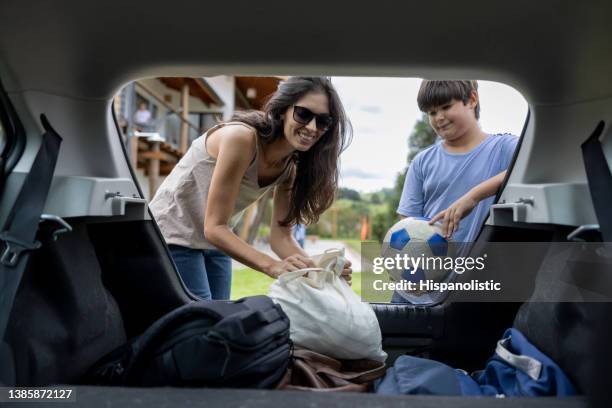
(599, 178)
(18, 235)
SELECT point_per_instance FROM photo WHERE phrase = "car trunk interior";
(88, 291)
(92, 289)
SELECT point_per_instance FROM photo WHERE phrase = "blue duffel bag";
(516, 369)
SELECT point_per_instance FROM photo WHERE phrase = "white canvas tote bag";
(325, 314)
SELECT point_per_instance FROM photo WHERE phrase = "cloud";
(364, 130)
(370, 108)
(358, 173)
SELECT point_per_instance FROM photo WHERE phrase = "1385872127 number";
(26, 393)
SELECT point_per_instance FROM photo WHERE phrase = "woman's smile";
(305, 137)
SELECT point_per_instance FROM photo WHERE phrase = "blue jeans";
(207, 273)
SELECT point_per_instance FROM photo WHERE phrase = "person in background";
(142, 117)
(299, 233)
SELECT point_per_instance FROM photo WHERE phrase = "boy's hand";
(454, 214)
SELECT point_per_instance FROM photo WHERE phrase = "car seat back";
(63, 318)
(563, 318)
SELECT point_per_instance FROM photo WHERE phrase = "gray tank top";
(180, 202)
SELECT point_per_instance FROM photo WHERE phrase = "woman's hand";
(453, 215)
(291, 263)
(347, 272)
(295, 262)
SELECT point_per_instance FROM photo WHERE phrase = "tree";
(422, 137)
(380, 225)
(383, 221)
(348, 194)
(375, 199)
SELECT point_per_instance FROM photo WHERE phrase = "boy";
(458, 176)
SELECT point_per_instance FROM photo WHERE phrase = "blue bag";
(516, 369)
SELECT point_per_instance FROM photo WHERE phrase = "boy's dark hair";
(438, 93)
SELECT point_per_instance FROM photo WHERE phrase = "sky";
(383, 112)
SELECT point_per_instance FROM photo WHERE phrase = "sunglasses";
(303, 116)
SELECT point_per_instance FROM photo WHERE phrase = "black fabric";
(566, 330)
(137, 271)
(15, 137)
(570, 332)
(205, 343)
(19, 230)
(64, 319)
(600, 186)
(600, 181)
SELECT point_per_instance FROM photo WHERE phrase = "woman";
(292, 146)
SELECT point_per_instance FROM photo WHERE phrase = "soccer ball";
(413, 238)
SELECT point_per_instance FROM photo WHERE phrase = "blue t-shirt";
(437, 178)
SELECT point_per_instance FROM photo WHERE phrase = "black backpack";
(205, 344)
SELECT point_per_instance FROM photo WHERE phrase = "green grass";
(353, 243)
(248, 282)
(356, 245)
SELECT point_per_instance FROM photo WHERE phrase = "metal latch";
(63, 225)
(519, 208)
(14, 248)
(119, 203)
(582, 230)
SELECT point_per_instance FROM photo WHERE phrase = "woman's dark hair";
(316, 176)
(438, 93)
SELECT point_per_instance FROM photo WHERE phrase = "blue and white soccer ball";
(415, 238)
